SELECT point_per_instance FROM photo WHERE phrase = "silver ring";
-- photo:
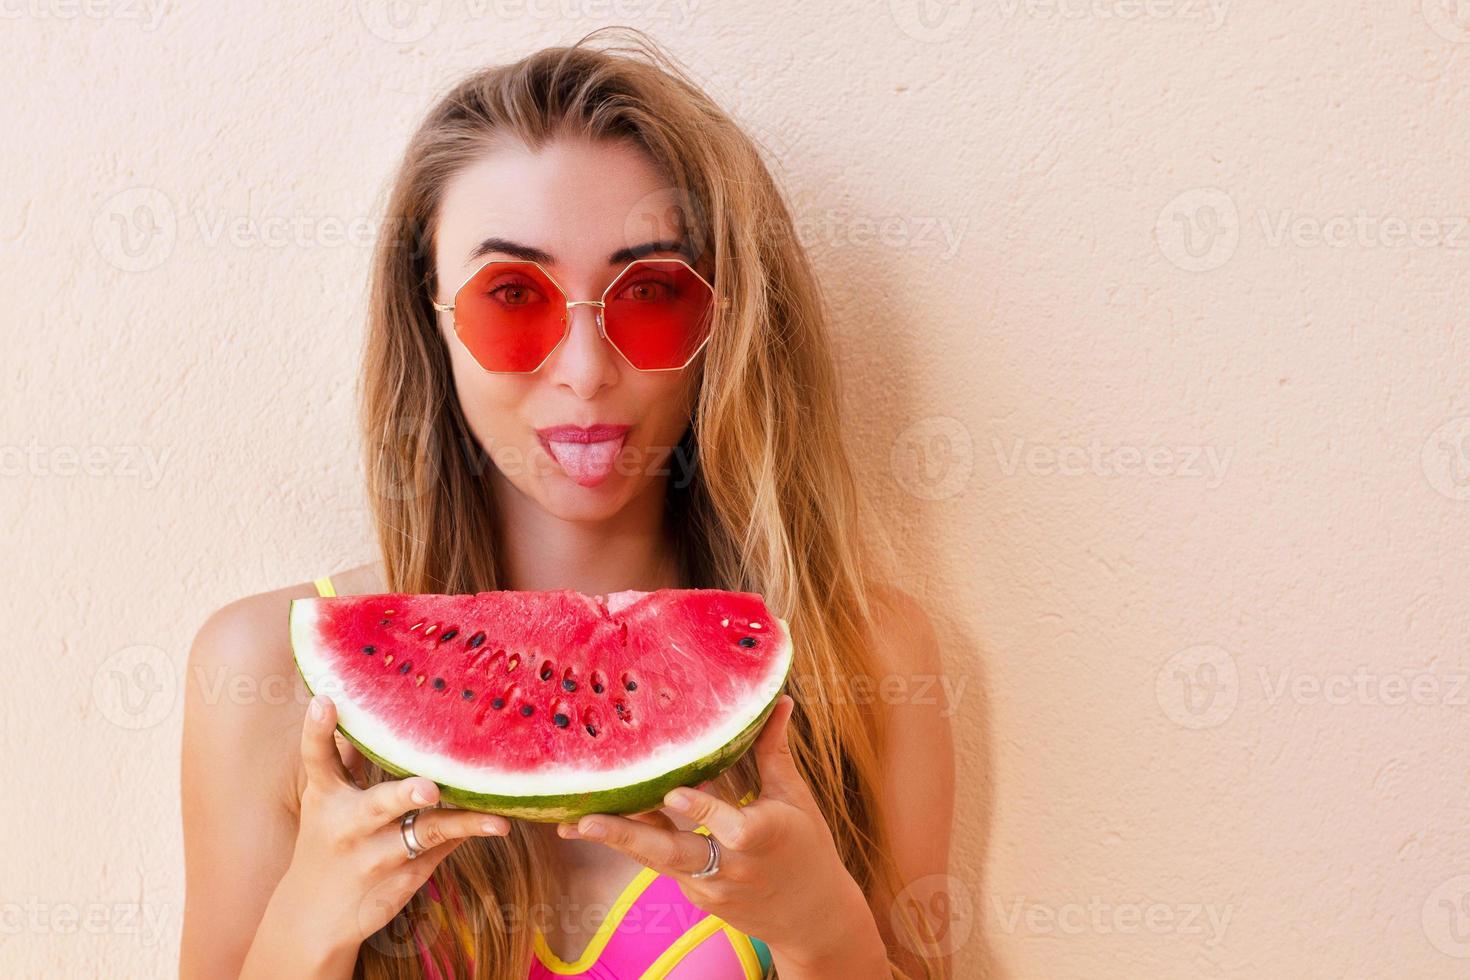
(410, 839)
(713, 864)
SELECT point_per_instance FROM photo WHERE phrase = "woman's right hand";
(350, 872)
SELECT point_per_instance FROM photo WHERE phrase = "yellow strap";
(593, 950)
(680, 948)
(609, 925)
(744, 952)
(324, 587)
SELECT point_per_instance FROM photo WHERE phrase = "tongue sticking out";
(588, 463)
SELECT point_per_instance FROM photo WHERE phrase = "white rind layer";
(377, 736)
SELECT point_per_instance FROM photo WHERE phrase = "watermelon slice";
(547, 705)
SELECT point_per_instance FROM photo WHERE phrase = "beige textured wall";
(1153, 320)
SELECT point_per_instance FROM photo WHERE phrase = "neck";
(630, 550)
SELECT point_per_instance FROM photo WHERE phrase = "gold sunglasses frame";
(598, 304)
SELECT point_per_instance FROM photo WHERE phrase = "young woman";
(683, 433)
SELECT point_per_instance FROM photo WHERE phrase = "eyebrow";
(529, 253)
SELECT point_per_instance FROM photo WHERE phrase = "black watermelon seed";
(631, 685)
(466, 694)
(747, 641)
(497, 703)
(438, 683)
(448, 635)
(568, 684)
(369, 649)
(526, 710)
(382, 622)
(476, 640)
(405, 667)
(560, 719)
(596, 688)
(546, 672)
(592, 730)
(622, 709)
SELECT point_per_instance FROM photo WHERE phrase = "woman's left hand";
(780, 879)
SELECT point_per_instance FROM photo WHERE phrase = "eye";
(647, 289)
(515, 292)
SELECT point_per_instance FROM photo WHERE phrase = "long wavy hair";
(770, 506)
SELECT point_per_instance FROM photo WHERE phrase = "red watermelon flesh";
(547, 705)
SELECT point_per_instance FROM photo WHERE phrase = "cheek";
(664, 403)
(491, 403)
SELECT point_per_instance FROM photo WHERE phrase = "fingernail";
(679, 801)
(420, 796)
(318, 712)
(490, 826)
(591, 830)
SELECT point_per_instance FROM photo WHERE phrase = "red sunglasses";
(511, 315)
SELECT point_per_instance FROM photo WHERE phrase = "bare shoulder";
(917, 698)
(249, 638)
(904, 640)
(243, 688)
(240, 774)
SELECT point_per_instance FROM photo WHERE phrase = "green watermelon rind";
(634, 797)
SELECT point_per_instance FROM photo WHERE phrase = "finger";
(665, 851)
(319, 756)
(433, 828)
(651, 817)
(352, 759)
(730, 826)
(780, 779)
(390, 800)
(654, 818)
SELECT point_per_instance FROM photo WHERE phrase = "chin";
(562, 498)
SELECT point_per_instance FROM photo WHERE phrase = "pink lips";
(585, 453)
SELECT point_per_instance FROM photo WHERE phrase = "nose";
(585, 362)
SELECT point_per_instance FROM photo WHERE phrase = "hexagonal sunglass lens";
(658, 314)
(510, 316)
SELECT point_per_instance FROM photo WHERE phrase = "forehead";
(577, 200)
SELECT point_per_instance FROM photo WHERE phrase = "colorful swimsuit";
(651, 932)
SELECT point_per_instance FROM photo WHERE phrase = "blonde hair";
(771, 507)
